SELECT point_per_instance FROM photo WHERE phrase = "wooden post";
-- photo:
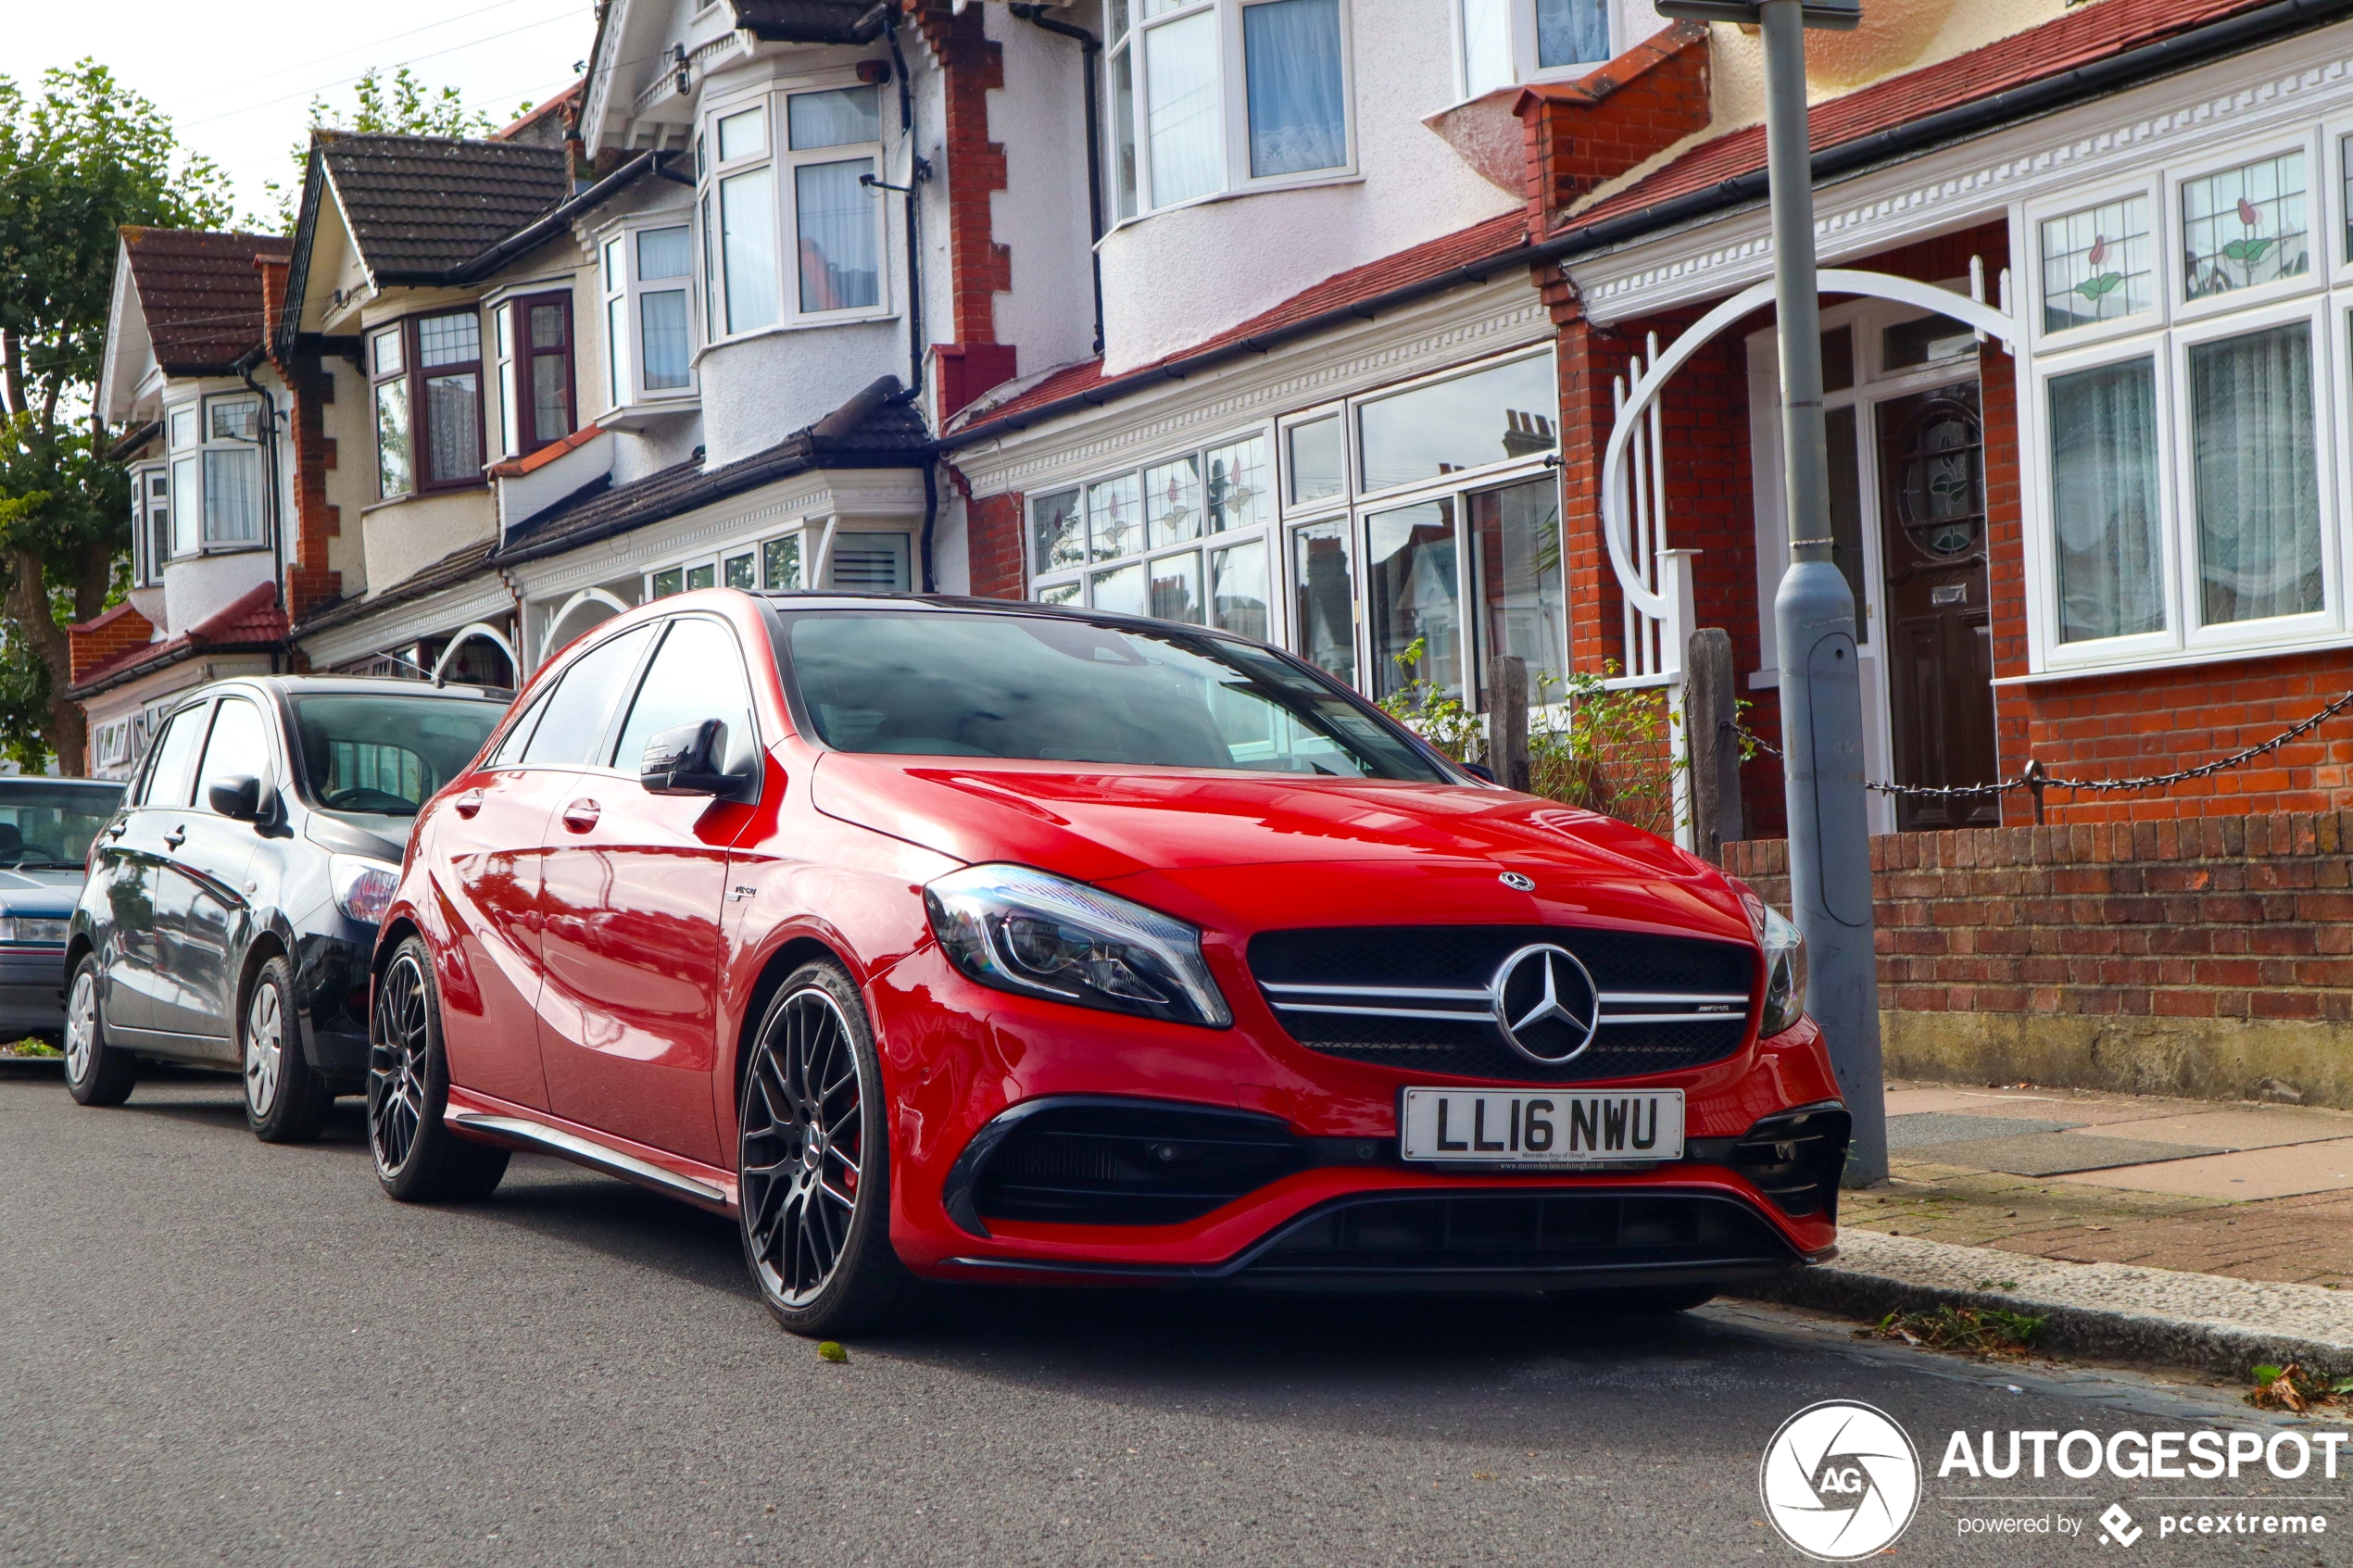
(1711, 715)
(1508, 721)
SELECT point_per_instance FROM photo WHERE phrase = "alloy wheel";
(396, 1048)
(265, 1049)
(803, 1142)
(82, 1025)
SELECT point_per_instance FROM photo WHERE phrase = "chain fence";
(2034, 777)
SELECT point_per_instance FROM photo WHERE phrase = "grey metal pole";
(1830, 851)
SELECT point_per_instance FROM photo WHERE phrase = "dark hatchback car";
(233, 902)
(45, 829)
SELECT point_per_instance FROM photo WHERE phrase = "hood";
(35, 892)
(1099, 825)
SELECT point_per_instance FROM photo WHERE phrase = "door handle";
(581, 815)
(467, 804)
(175, 839)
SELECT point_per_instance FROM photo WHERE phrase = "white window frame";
(2321, 296)
(147, 565)
(2288, 630)
(1233, 108)
(780, 159)
(625, 385)
(2318, 209)
(188, 428)
(809, 535)
(1083, 576)
(2167, 263)
(1524, 66)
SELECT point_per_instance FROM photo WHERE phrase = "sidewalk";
(2188, 1232)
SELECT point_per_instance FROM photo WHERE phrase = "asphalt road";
(220, 1352)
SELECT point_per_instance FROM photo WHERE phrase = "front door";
(634, 883)
(1938, 642)
(131, 867)
(202, 907)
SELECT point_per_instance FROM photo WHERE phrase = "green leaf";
(2246, 253)
(2266, 1375)
(2098, 288)
(831, 1350)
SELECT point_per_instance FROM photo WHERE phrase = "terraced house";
(1271, 315)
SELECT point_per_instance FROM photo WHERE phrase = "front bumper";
(1315, 1150)
(32, 989)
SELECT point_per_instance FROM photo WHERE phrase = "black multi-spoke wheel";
(418, 1158)
(814, 1160)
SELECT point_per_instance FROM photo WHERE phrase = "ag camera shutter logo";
(1840, 1481)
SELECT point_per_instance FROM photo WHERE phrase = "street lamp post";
(1830, 847)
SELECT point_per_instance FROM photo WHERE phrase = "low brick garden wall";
(2209, 957)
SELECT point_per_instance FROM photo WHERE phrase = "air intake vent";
(1506, 1233)
(1098, 1163)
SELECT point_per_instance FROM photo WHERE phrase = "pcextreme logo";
(1840, 1481)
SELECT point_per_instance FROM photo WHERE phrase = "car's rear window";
(386, 755)
(48, 826)
(1060, 689)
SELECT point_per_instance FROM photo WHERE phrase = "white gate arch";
(612, 603)
(486, 633)
(1656, 581)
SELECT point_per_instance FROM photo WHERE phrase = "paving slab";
(2252, 1174)
(2234, 1129)
(2052, 1154)
(1925, 1129)
(2224, 1325)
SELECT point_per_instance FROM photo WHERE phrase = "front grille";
(1136, 1164)
(1418, 998)
(1512, 1233)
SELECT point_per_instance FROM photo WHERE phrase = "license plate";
(1543, 1127)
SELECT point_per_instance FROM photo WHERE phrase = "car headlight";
(1784, 965)
(1044, 936)
(48, 932)
(363, 887)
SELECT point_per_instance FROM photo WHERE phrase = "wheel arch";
(800, 949)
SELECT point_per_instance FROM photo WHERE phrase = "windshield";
(48, 826)
(1064, 690)
(385, 755)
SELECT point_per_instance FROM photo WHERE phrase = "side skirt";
(518, 1130)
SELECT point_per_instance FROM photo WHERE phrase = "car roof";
(959, 604)
(49, 781)
(356, 685)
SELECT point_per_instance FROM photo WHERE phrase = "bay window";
(1427, 514)
(792, 176)
(1223, 95)
(649, 335)
(1503, 41)
(426, 372)
(209, 494)
(2185, 351)
(862, 561)
(533, 336)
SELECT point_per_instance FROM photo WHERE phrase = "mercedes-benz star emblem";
(1517, 882)
(1546, 1006)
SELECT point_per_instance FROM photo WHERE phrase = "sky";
(237, 81)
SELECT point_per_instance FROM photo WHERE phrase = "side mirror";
(238, 798)
(1480, 771)
(690, 759)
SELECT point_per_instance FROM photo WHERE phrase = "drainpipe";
(1090, 47)
(268, 444)
(917, 173)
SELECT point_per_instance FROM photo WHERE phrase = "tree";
(79, 158)
(403, 105)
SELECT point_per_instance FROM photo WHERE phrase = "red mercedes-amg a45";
(980, 941)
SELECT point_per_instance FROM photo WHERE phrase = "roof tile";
(420, 206)
(201, 294)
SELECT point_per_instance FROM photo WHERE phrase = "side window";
(239, 748)
(572, 720)
(167, 781)
(698, 674)
(510, 745)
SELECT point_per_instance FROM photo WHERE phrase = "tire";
(814, 1213)
(1649, 1301)
(418, 1158)
(286, 1100)
(96, 1073)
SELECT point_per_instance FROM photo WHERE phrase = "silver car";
(45, 828)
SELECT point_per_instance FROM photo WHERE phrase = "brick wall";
(979, 267)
(1579, 134)
(310, 581)
(2205, 956)
(993, 538)
(101, 637)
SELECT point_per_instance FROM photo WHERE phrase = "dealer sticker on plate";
(1543, 1126)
